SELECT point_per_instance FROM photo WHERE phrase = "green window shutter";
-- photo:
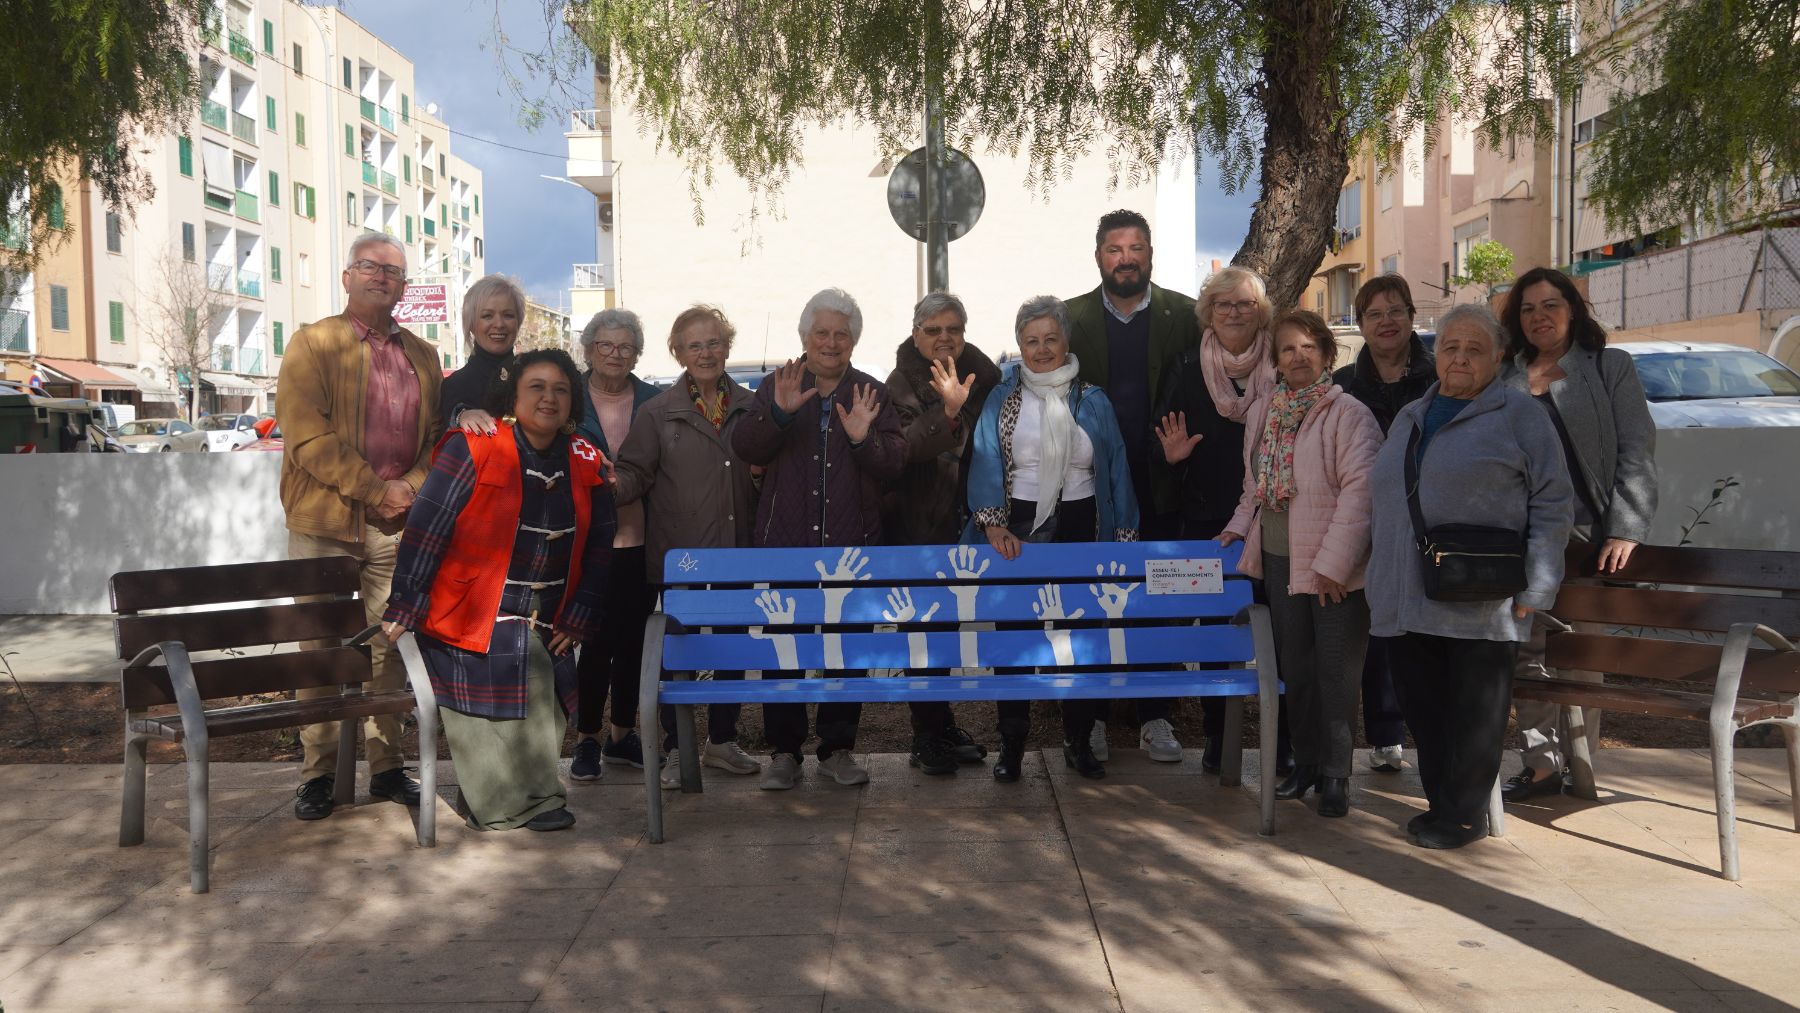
(350, 208)
(274, 189)
(350, 140)
(347, 82)
(431, 331)
(478, 205)
(312, 210)
(58, 217)
(59, 308)
(405, 109)
(406, 167)
(444, 215)
(279, 344)
(300, 130)
(184, 146)
(115, 319)
(187, 241)
(409, 233)
(269, 108)
(444, 265)
(269, 37)
(274, 263)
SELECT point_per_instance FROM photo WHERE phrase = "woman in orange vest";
(500, 572)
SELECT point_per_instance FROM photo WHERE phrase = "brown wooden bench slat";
(338, 619)
(262, 717)
(1765, 570)
(1651, 700)
(148, 685)
(188, 586)
(1686, 610)
(1673, 660)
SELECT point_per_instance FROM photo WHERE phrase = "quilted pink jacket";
(1328, 518)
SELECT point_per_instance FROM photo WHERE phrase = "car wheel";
(165, 449)
(204, 447)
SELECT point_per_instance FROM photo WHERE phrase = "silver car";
(151, 436)
(1713, 385)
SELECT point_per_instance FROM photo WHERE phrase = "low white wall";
(73, 520)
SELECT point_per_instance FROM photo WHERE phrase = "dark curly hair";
(1584, 330)
(503, 394)
(1120, 219)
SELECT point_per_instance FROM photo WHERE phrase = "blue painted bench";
(1121, 606)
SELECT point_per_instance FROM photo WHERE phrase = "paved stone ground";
(1147, 891)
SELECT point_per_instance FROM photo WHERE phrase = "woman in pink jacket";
(1304, 521)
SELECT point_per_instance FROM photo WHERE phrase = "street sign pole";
(937, 236)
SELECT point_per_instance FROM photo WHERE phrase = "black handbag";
(1463, 562)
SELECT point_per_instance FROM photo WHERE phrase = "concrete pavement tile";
(586, 857)
(14, 957)
(14, 831)
(875, 902)
(67, 777)
(688, 1004)
(1237, 1000)
(1450, 904)
(1769, 766)
(972, 786)
(1756, 960)
(1781, 894)
(1149, 959)
(235, 775)
(1672, 819)
(1694, 792)
(966, 861)
(751, 865)
(746, 827)
(64, 858)
(1196, 901)
(1572, 1000)
(1679, 762)
(215, 973)
(1219, 823)
(1700, 903)
(802, 802)
(173, 913)
(896, 967)
(49, 919)
(663, 911)
(170, 801)
(1763, 855)
(419, 972)
(619, 969)
(403, 1007)
(1141, 787)
(919, 825)
(960, 1002)
(487, 912)
(1618, 848)
(1752, 1002)
(1487, 960)
(1136, 763)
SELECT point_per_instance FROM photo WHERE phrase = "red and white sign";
(424, 304)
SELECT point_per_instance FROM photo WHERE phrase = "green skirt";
(507, 770)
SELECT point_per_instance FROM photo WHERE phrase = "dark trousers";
(1319, 653)
(1383, 724)
(1456, 695)
(613, 657)
(721, 718)
(930, 717)
(1074, 521)
(784, 724)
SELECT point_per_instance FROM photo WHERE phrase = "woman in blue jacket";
(1049, 466)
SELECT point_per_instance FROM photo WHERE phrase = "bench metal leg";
(344, 791)
(1791, 732)
(131, 804)
(198, 844)
(1725, 795)
(686, 741)
(1580, 752)
(1268, 718)
(427, 717)
(1496, 810)
(1231, 750)
(649, 722)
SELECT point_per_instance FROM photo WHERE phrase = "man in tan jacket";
(358, 409)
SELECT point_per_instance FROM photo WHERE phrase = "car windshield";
(215, 423)
(145, 427)
(1698, 376)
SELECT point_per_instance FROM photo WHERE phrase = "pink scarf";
(1275, 450)
(1220, 367)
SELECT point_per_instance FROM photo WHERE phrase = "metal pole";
(937, 236)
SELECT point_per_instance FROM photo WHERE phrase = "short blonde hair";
(1226, 281)
(696, 314)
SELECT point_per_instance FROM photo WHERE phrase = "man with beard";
(1125, 333)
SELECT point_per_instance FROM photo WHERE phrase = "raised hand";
(1050, 605)
(943, 380)
(1112, 597)
(790, 389)
(1176, 443)
(863, 409)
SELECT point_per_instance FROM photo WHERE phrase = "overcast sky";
(536, 227)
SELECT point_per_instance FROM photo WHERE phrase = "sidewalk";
(1143, 892)
(59, 648)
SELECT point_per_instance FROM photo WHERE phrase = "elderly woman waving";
(499, 574)
(1471, 513)
(1049, 466)
(1304, 519)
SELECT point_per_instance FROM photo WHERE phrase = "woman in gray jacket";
(1594, 398)
(699, 494)
(1485, 455)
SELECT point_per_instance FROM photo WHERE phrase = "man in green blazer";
(1127, 334)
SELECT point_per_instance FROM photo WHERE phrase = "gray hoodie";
(1499, 463)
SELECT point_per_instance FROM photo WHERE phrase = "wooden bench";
(1661, 619)
(146, 631)
(936, 606)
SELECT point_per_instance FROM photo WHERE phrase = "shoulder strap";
(1412, 485)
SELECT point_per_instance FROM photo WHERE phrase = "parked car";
(227, 431)
(150, 436)
(751, 374)
(1692, 384)
(268, 436)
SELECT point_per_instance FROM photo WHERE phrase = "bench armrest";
(1731, 666)
(416, 676)
(363, 637)
(187, 692)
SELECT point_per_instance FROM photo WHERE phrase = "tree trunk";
(1306, 148)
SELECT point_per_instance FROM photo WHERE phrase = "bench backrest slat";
(909, 564)
(1670, 660)
(1682, 610)
(1762, 569)
(867, 604)
(184, 587)
(148, 686)
(776, 650)
(338, 619)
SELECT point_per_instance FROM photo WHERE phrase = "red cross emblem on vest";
(584, 450)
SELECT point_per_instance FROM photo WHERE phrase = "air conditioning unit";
(606, 216)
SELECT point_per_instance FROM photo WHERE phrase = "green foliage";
(1715, 125)
(1488, 263)
(77, 78)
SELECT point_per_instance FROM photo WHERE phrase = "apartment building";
(309, 132)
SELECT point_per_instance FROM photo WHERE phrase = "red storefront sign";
(424, 304)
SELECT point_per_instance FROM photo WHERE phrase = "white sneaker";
(1388, 759)
(1097, 742)
(728, 756)
(842, 768)
(783, 772)
(671, 771)
(1158, 740)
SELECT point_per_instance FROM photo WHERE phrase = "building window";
(184, 147)
(280, 345)
(115, 322)
(406, 168)
(431, 332)
(405, 109)
(478, 205)
(274, 263)
(409, 231)
(350, 208)
(303, 264)
(300, 130)
(441, 170)
(274, 189)
(269, 112)
(1390, 264)
(1349, 212)
(268, 37)
(1385, 191)
(299, 61)
(53, 198)
(349, 140)
(478, 246)
(115, 233)
(348, 83)
(303, 201)
(59, 307)
(187, 241)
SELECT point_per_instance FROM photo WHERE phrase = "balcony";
(427, 176)
(246, 206)
(221, 278)
(431, 226)
(218, 201)
(385, 117)
(465, 212)
(593, 174)
(589, 121)
(14, 325)
(243, 127)
(240, 49)
(251, 362)
(388, 183)
(213, 115)
(370, 174)
(368, 110)
(591, 276)
(221, 357)
(249, 283)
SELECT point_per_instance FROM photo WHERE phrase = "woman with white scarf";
(1304, 519)
(1049, 466)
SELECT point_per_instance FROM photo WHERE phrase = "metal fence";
(1715, 277)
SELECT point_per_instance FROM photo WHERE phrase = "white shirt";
(1124, 318)
(1028, 453)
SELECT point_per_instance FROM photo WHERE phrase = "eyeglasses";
(1396, 314)
(1240, 306)
(369, 269)
(709, 345)
(955, 331)
(626, 351)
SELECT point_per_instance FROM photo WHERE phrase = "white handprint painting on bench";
(902, 610)
(779, 613)
(1112, 598)
(962, 566)
(1049, 607)
(851, 567)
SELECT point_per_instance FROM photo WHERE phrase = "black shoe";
(1526, 784)
(1334, 796)
(313, 799)
(1444, 835)
(555, 819)
(1011, 763)
(963, 745)
(1284, 765)
(1080, 758)
(1212, 757)
(932, 754)
(626, 750)
(395, 785)
(586, 764)
(1304, 779)
(1420, 822)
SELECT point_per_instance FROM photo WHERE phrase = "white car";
(228, 432)
(1719, 386)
